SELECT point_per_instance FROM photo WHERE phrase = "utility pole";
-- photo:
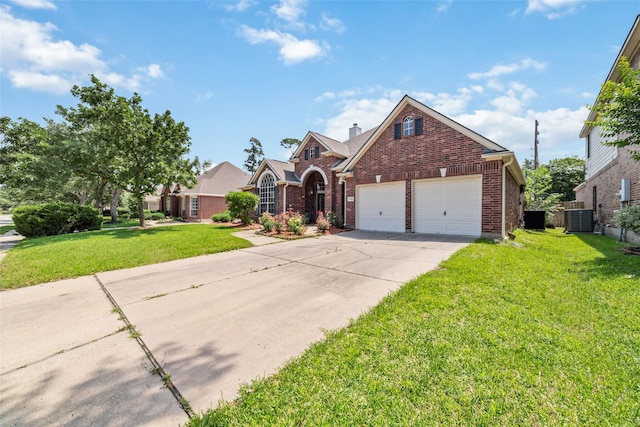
(535, 148)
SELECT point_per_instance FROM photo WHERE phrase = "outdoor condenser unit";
(578, 220)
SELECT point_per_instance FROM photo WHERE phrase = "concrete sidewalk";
(213, 322)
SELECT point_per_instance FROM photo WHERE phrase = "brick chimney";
(354, 131)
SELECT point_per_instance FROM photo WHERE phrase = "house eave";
(508, 158)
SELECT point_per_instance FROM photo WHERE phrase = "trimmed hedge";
(221, 217)
(55, 218)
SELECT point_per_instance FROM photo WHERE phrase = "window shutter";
(306, 154)
(397, 130)
(419, 126)
(318, 152)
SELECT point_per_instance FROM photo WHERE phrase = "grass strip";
(53, 258)
(542, 332)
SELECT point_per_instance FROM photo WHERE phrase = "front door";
(314, 196)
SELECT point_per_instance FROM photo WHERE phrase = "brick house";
(419, 171)
(206, 197)
(612, 177)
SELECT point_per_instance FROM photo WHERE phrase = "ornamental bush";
(55, 218)
(322, 223)
(267, 221)
(628, 218)
(295, 223)
(242, 204)
(221, 217)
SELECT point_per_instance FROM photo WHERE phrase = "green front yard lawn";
(5, 228)
(52, 258)
(542, 332)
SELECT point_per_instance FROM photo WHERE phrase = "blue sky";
(272, 70)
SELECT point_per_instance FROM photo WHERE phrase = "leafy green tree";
(566, 174)
(254, 155)
(31, 168)
(618, 109)
(291, 143)
(241, 204)
(138, 151)
(538, 194)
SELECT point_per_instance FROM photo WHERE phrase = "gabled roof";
(218, 181)
(490, 146)
(284, 171)
(630, 49)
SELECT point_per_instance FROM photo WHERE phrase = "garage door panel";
(448, 206)
(381, 207)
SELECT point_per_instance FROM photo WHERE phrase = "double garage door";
(439, 206)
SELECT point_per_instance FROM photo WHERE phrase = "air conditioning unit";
(578, 220)
(625, 190)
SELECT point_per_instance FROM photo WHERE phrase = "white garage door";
(381, 207)
(448, 206)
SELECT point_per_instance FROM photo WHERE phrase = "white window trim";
(408, 126)
(193, 210)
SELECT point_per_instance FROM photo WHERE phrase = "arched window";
(267, 194)
(408, 126)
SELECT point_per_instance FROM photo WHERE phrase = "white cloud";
(239, 6)
(553, 9)
(446, 103)
(332, 24)
(367, 113)
(500, 70)
(204, 96)
(35, 4)
(32, 58)
(443, 6)
(40, 82)
(155, 71)
(289, 10)
(292, 50)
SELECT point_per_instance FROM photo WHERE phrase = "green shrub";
(267, 221)
(628, 218)
(295, 223)
(221, 217)
(322, 223)
(55, 218)
(241, 205)
(157, 216)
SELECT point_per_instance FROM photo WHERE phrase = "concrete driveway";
(211, 322)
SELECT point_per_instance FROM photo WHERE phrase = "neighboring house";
(152, 201)
(419, 171)
(207, 197)
(612, 177)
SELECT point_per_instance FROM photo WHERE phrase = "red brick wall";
(422, 156)
(514, 203)
(324, 163)
(607, 183)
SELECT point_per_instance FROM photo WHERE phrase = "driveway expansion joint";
(156, 367)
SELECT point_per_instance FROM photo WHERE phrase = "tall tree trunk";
(141, 211)
(113, 207)
(100, 196)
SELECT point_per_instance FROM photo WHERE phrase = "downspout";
(504, 196)
(284, 199)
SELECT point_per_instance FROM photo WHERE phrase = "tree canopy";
(105, 145)
(255, 154)
(618, 109)
(290, 143)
